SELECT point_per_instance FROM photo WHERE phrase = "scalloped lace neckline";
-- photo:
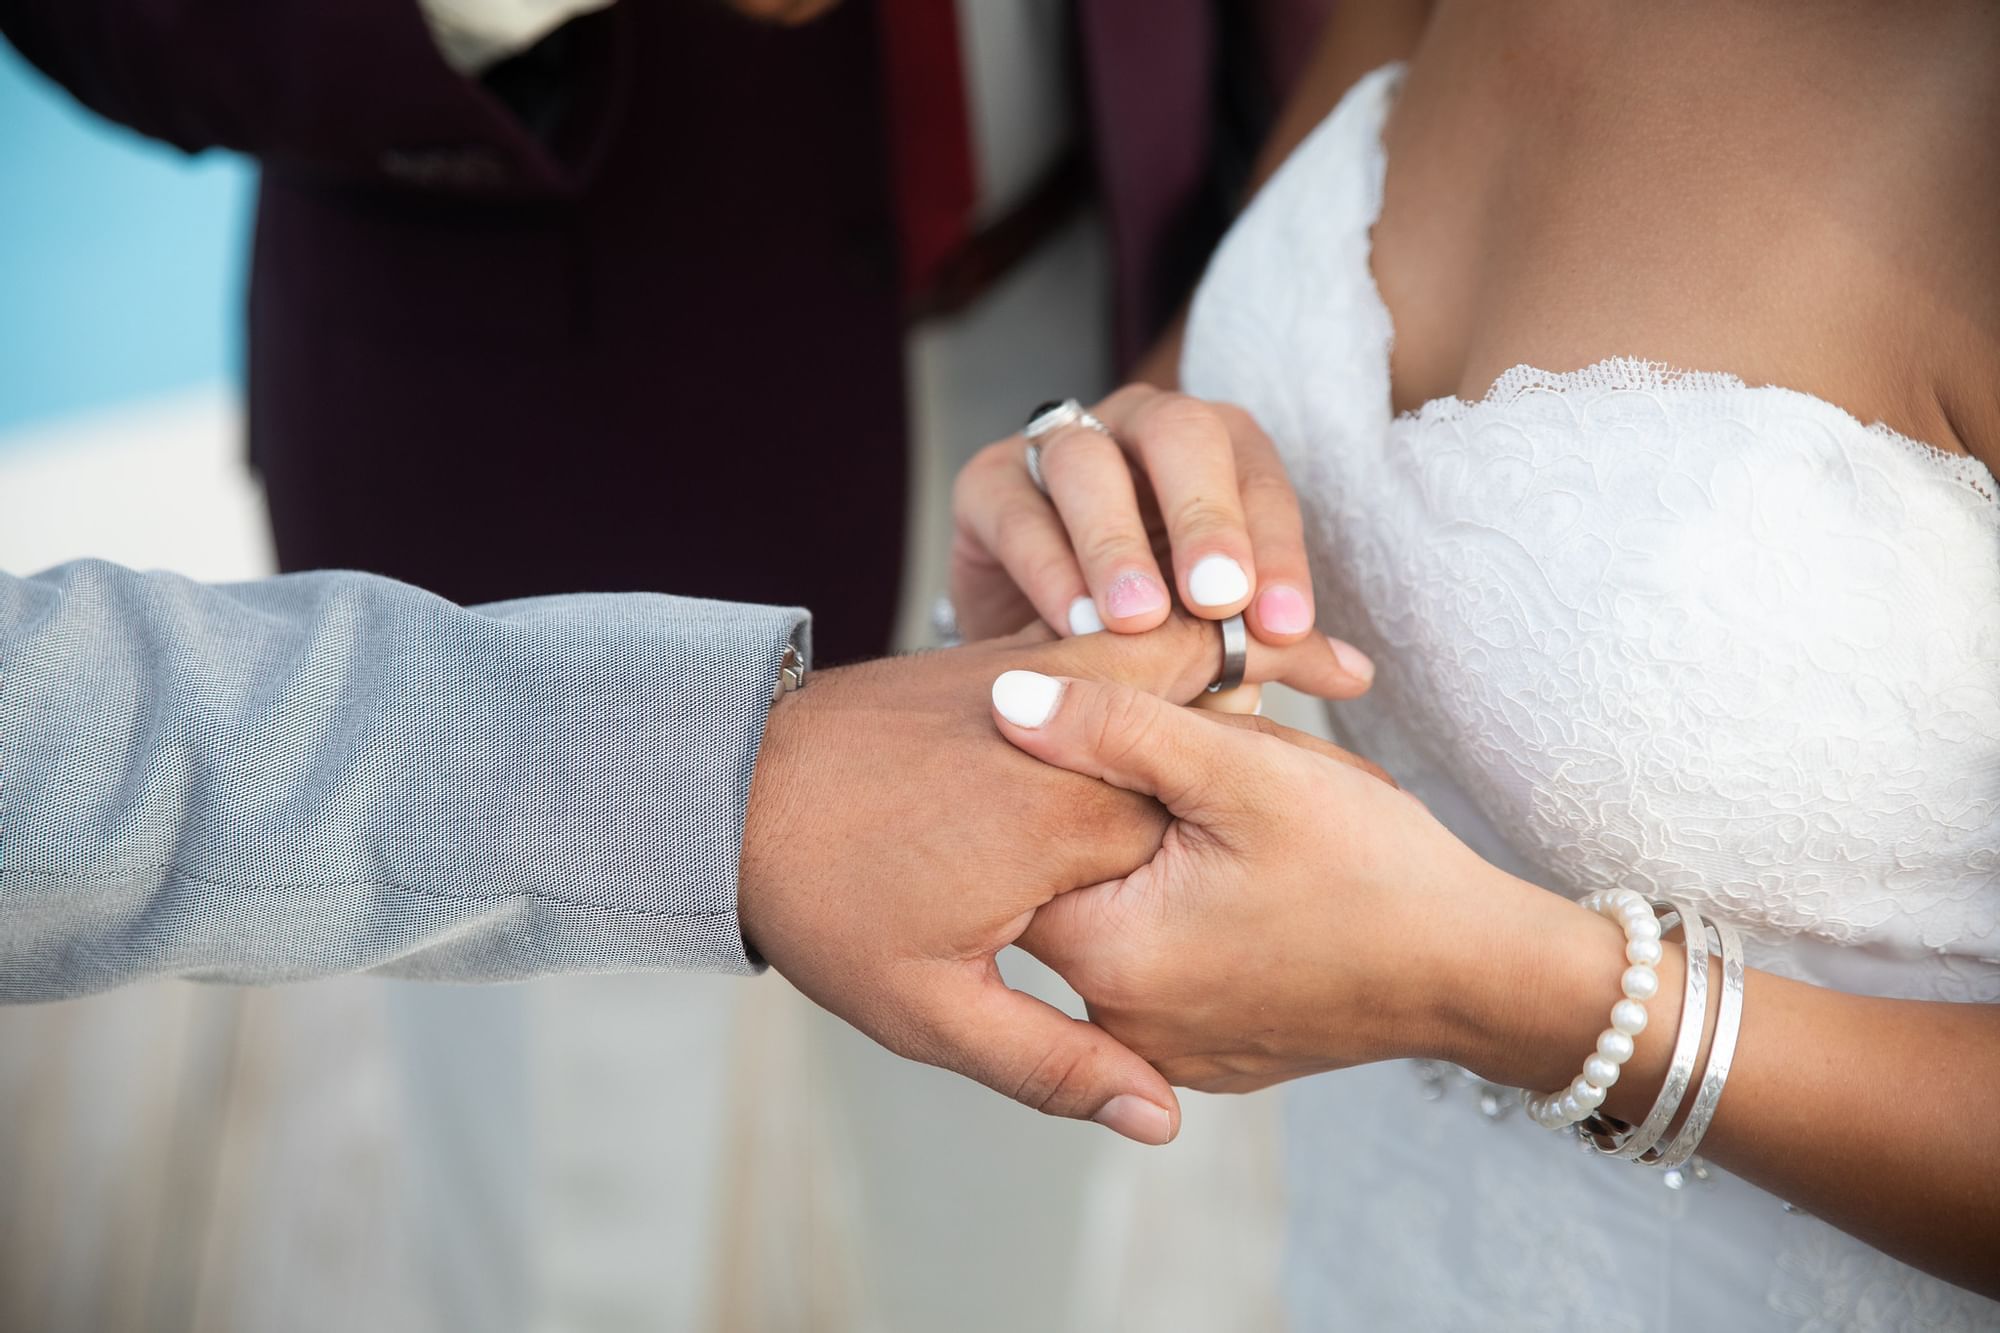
(1623, 374)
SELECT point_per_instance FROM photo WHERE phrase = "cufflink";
(791, 673)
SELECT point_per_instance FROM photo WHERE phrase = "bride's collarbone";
(1561, 282)
(1516, 231)
(1909, 369)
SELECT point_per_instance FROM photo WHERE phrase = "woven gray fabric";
(329, 773)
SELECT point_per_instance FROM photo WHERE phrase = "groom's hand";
(895, 844)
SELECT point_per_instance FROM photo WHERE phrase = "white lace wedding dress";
(1636, 626)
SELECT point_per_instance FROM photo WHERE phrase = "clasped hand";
(894, 844)
(1301, 914)
(1237, 903)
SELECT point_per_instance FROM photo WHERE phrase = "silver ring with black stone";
(1045, 421)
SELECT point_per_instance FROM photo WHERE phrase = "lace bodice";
(1655, 628)
(1638, 626)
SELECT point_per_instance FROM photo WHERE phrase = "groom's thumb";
(1117, 734)
(1043, 1058)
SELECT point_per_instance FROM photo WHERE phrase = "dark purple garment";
(626, 314)
(685, 375)
(637, 327)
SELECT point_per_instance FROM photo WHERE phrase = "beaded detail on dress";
(1641, 627)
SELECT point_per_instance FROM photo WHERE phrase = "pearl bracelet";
(1633, 1144)
(1555, 1110)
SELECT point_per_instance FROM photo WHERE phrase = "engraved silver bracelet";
(1721, 1051)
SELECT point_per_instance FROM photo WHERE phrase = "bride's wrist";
(1537, 992)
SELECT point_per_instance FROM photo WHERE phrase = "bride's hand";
(1202, 478)
(1302, 914)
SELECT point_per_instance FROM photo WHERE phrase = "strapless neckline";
(1629, 374)
(1624, 370)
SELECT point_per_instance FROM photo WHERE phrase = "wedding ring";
(1235, 654)
(1045, 421)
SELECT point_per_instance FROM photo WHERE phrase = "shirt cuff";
(475, 35)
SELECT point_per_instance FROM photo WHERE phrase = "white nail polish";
(1083, 617)
(1216, 580)
(1026, 698)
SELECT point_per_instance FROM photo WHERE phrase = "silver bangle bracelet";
(1728, 1022)
(1687, 1045)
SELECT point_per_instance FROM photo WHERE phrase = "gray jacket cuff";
(337, 773)
(644, 721)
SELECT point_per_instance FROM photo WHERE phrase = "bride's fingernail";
(1083, 617)
(1282, 610)
(1026, 698)
(1352, 660)
(1134, 595)
(1216, 580)
(1137, 1119)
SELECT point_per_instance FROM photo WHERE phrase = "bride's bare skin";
(1799, 194)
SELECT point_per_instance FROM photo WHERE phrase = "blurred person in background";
(541, 295)
(513, 256)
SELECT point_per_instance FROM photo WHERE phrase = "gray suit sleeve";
(330, 773)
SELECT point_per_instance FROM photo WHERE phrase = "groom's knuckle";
(1181, 645)
(1047, 1084)
(1262, 725)
(1166, 655)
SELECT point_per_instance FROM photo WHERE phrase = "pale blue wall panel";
(121, 260)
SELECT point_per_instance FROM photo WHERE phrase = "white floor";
(159, 484)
